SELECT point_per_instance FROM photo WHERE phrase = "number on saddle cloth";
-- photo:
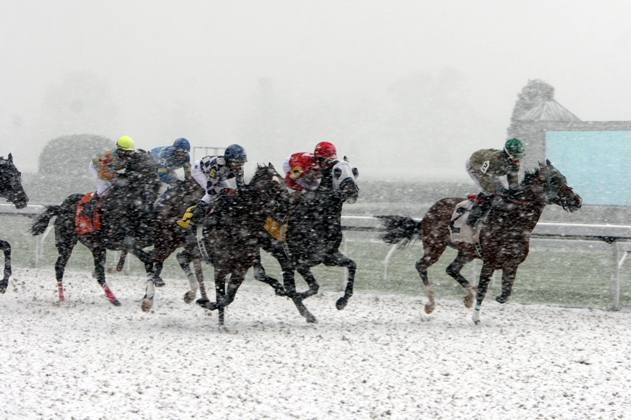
(459, 230)
(185, 221)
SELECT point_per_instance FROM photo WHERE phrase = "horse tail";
(43, 219)
(66, 211)
(400, 229)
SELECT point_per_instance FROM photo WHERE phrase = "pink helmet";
(325, 149)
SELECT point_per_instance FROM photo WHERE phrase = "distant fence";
(617, 237)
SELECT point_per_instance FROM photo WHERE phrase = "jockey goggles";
(324, 160)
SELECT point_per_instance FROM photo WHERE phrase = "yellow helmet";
(125, 143)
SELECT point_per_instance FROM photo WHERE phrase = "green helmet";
(514, 148)
(125, 143)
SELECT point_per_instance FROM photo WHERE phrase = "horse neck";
(520, 217)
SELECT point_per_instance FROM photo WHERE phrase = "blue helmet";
(235, 153)
(182, 144)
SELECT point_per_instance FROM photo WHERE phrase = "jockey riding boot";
(478, 210)
(90, 206)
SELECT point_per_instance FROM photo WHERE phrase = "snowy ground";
(379, 358)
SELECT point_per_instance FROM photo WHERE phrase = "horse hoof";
(206, 304)
(280, 292)
(115, 302)
(189, 296)
(429, 308)
(341, 303)
(146, 305)
(3, 286)
(501, 299)
(311, 319)
(158, 282)
(468, 301)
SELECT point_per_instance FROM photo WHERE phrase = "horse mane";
(530, 176)
(261, 170)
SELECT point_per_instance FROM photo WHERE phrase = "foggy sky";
(405, 89)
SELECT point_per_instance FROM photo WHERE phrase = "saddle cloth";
(87, 223)
(277, 229)
(459, 230)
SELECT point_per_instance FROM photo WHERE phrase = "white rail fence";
(615, 237)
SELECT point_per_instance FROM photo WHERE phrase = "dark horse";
(168, 236)
(230, 234)
(126, 220)
(11, 189)
(504, 239)
(314, 235)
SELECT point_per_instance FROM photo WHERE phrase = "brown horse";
(168, 236)
(504, 238)
(230, 234)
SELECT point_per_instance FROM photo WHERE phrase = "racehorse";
(168, 236)
(230, 234)
(314, 235)
(125, 217)
(11, 189)
(504, 238)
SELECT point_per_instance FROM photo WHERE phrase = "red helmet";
(326, 150)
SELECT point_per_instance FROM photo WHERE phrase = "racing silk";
(302, 172)
(218, 172)
(168, 163)
(487, 165)
(107, 163)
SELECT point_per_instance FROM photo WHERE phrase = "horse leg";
(184, 259)
(6, 249)
(289, 283)
(508, 278)
(485, 278)
(99, 267)
(429, 258)
(121, 263)
(220, 291)
(147, 259)
(340, 260)
(261, 275)
(199, 273)
(305, 272)
(64, 242)
(453, 270)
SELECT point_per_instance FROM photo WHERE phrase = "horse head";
(11, 183)
(345, 180)
(557, 190)
(548, 185)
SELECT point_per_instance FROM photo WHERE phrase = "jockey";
(326, 156)
(213, 173)
(301, 172)
(170, 158)
(486, 166)
(104, 166)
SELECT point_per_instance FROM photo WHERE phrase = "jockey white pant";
(474, 176)
(201, 178)
(102, 185)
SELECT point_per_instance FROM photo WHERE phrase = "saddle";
(85, 221)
